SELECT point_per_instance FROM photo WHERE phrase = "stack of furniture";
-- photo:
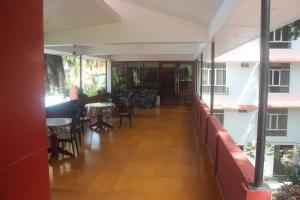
(143, 98)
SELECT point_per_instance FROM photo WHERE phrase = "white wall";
(243, 90)
(268, 165)
(242, 84)
(296, 44)
(241, 126)
(295, 80)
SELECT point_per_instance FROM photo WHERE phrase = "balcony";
(232, 169)
(280, 44)
(218, 89)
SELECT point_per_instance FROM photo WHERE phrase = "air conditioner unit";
(245, 65)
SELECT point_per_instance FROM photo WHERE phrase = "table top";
(52, 122)
(100, 105)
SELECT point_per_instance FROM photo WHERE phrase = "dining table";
(100, 125)
(55, 125)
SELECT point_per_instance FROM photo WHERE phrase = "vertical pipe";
(263, 92)
(196, 77)
(212, 78)
(80, 71)
(201, 74)
(106, 75)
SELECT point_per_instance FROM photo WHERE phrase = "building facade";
(236, 97)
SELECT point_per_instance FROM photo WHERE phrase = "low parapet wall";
(61, 110)
(232, 168)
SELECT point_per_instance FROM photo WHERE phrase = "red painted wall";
(232, 168)
(23, 148)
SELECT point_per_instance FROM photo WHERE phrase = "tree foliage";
(54, 74)
(288, 192)
(293, 173)
(250, 149)
(293, 29)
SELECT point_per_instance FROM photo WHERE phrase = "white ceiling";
(244, 23)
(178, 28)
(197, 11)
(66, 14)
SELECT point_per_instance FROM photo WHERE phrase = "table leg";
(100, 125)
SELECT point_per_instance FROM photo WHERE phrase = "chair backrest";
(73, 110)
(123, 101)
(74, 125)
(125, 106)
(131, 110)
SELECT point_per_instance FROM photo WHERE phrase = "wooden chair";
(69, 135)
(125, 109)
(88, 114)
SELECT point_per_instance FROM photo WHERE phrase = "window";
(220, 115)
(135, 75)
(199, 77)
(279, 39)
(151, 75)
(279, 77)
(276, 124)
(134, 72)
(220, 78)
(119, 76)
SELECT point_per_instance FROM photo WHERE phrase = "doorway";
(176, 82)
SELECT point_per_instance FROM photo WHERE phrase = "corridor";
(158, 158)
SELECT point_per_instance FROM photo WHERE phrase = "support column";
(24, 170)
(106, 75)
(80, 72)
(263, 92)
(201, 74)
(109, 76)
(196, 76)
(212, 78)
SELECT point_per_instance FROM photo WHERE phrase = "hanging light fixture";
(74, 52)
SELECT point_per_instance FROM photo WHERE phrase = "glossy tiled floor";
(158, 158)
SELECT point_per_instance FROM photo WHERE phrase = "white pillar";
(296, 155)
(109, 76)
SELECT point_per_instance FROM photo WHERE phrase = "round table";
(100, 105)
(100, 125)
(54, 124)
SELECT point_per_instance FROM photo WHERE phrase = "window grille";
(220, 78)
(220, 115)
(279, 77)
(279, 39)
(276, 122)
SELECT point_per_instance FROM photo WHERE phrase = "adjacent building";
(236, 96)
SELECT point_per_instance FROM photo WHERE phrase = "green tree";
(293, 29)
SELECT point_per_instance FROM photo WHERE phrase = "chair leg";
(82, 126)
(63, 147)
(120, 122)
(79, 137)
(76, 144)
(73, 150)
(130, 122)
(90, 125)
(91, 137)
(57, 150)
